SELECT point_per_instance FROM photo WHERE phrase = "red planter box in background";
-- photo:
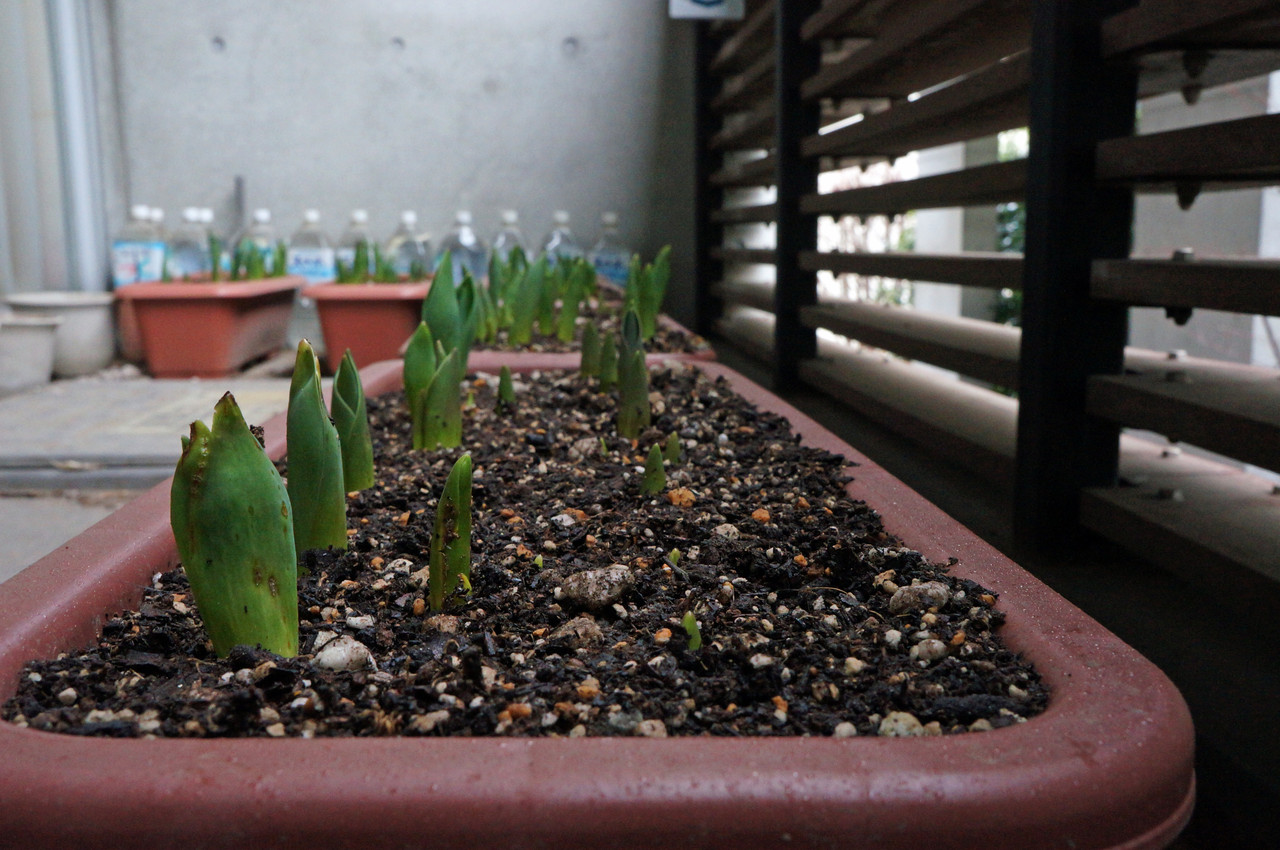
(208, 330)
(372, 319)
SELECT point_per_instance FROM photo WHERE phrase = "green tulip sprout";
(506, 390)
(437, 409)
(608, 364)
(419, 363)
(633, 396)
(450, 551)
(590, 365)
(671, 452)
(655, 476)
(233, 524)
(351, 418)
(315, 461)
(690, 624)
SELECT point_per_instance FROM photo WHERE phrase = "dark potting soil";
(813, 620)
(605, 311)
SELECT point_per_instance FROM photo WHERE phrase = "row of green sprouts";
(240, 528)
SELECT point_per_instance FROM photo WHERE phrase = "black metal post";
(707, 233)
(1071, 220)
(797, 60)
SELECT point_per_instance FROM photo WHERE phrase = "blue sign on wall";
(731, 9)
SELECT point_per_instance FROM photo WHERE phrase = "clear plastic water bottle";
(189, 247)
(611, 258)
(310, 252)
(137, 252)
(468, 250)
(405, 249)
(157, 222)
(357, 232)
(509, 237)
(560, 242)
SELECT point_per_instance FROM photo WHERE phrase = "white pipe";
(82, 180)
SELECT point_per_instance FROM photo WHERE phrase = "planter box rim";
(367, 291)
(1109, 764)
(182, 289)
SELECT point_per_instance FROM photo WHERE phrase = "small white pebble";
(1018, 693)
(759, 661)
(68, 696)
(901, 724)
(360, 621)
(845, 730)
(893, 637)
(651, 729)
(853, 666)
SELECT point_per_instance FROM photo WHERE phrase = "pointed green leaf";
(655, 476)
(633, 396)
(437, 418)
(590, 365)
(450, 549)
(506, 389)
(419, 363)
(672, 451)
(525, 301)
(351, 418)
(315, 461)
(232, 521)
(440, 309)
(608, 364)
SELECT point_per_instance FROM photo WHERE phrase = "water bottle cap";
(560, 217)
(262, 215)
(157, 214)
(191, 214)
(408, 218)
(510, 217)
(141, 211)
(359, 216)
(206, 215)
(311, 216)
(463, 217)
(609, 219)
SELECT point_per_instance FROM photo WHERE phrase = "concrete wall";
(583, 105)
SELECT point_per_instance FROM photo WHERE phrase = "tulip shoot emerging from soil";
(316, 488)
(233, 524)
(655, 476)
(646, 287)
(690, 624)
(351, 418)
(526, 298)
(633, 396)
(443, 311)
(506, 389)
(608, 364)
(672, 450)
(590, 365)
(450, 552)
(419, 363)
(437, 410)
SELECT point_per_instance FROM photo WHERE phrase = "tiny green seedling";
(634, 412)
(673, 557)
(449, 566)
(655, 476)
(690, 624)
(672, 450)
(608, 364)
(506, 390)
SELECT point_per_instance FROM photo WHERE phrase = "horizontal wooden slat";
(985, 184)
(745, 255)
(1166, 71)
(846, 18)
(753, 130)
(1221, 530)
(987, 269)
(1228, 409)
(737, 293)
(741, 90)
(746, 215)
(756, 172)
(927, 43)
(985, 103)
(978, 349)
(1155, 24)
(752, 38)
(1243, 149)
(1241, 286)
(971, 426)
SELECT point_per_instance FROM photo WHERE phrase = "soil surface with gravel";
(813, 621)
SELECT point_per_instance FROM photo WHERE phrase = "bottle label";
(315, 264)
(612, 267)
(136, 262)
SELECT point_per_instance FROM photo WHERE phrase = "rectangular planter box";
(208, 330)
(1109, 764)
(372, 319)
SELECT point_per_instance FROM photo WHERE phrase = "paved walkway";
(73, 451)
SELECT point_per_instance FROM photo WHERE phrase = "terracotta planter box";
(207, 330)
(372, 319)
(1109, 764)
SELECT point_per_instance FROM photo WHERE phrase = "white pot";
(26, 351)
(86, 340)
